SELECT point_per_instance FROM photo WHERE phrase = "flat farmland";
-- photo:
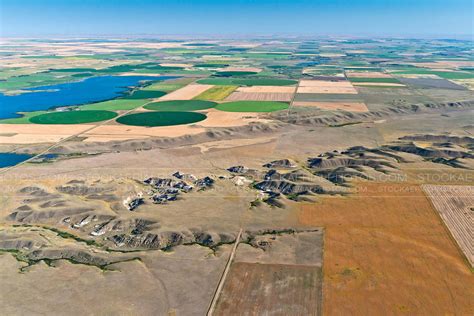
(217, 93)
(326, 97)
(260, 96)
(271, 289)
(187, 93)
(378, 84)
(455, 205)
(283, 278)
(326, 86)
(367, 74)
(267, 89)
(387, 252)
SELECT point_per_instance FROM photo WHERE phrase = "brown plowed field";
(270, 289)
(386, 252)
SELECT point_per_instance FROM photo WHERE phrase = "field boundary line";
(220, 286)
(444, 222)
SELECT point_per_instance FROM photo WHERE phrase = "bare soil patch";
(347, 106)
(326, 86)
(216, 118)
(33, 133)
(270, 289)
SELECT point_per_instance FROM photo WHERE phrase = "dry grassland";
(105, 133)
(468, 83)
(36, 133)
(233, 143)
(387, 252)
(347, 106)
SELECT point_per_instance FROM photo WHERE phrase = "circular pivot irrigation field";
(235, 73)
(73, 117)
(252, 106)
(151, 119)
(180, 105)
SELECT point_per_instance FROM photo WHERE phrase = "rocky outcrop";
(282, 163)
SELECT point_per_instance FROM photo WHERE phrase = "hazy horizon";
(359, 18)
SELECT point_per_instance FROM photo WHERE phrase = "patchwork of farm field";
(236, 176)
(282, 275)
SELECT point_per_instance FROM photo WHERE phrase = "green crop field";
(235, 73)
(145, 94)
(34, 80)
(217, 93)
(72, 117)
(248, 82)
(115, 105)
(24, 119)
(151, 119)
(442, 74)
(180, 105)
(252, 106)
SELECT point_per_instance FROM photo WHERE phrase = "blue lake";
(90, 90)
(10, 159)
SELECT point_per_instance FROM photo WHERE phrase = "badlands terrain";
(236, 177)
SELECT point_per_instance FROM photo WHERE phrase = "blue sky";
(305, 17)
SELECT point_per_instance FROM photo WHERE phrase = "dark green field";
(151, 119)
(235, 73)
(180, 105)
(73, 117)
(252, 106)
(209, 65)
(145, 94)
